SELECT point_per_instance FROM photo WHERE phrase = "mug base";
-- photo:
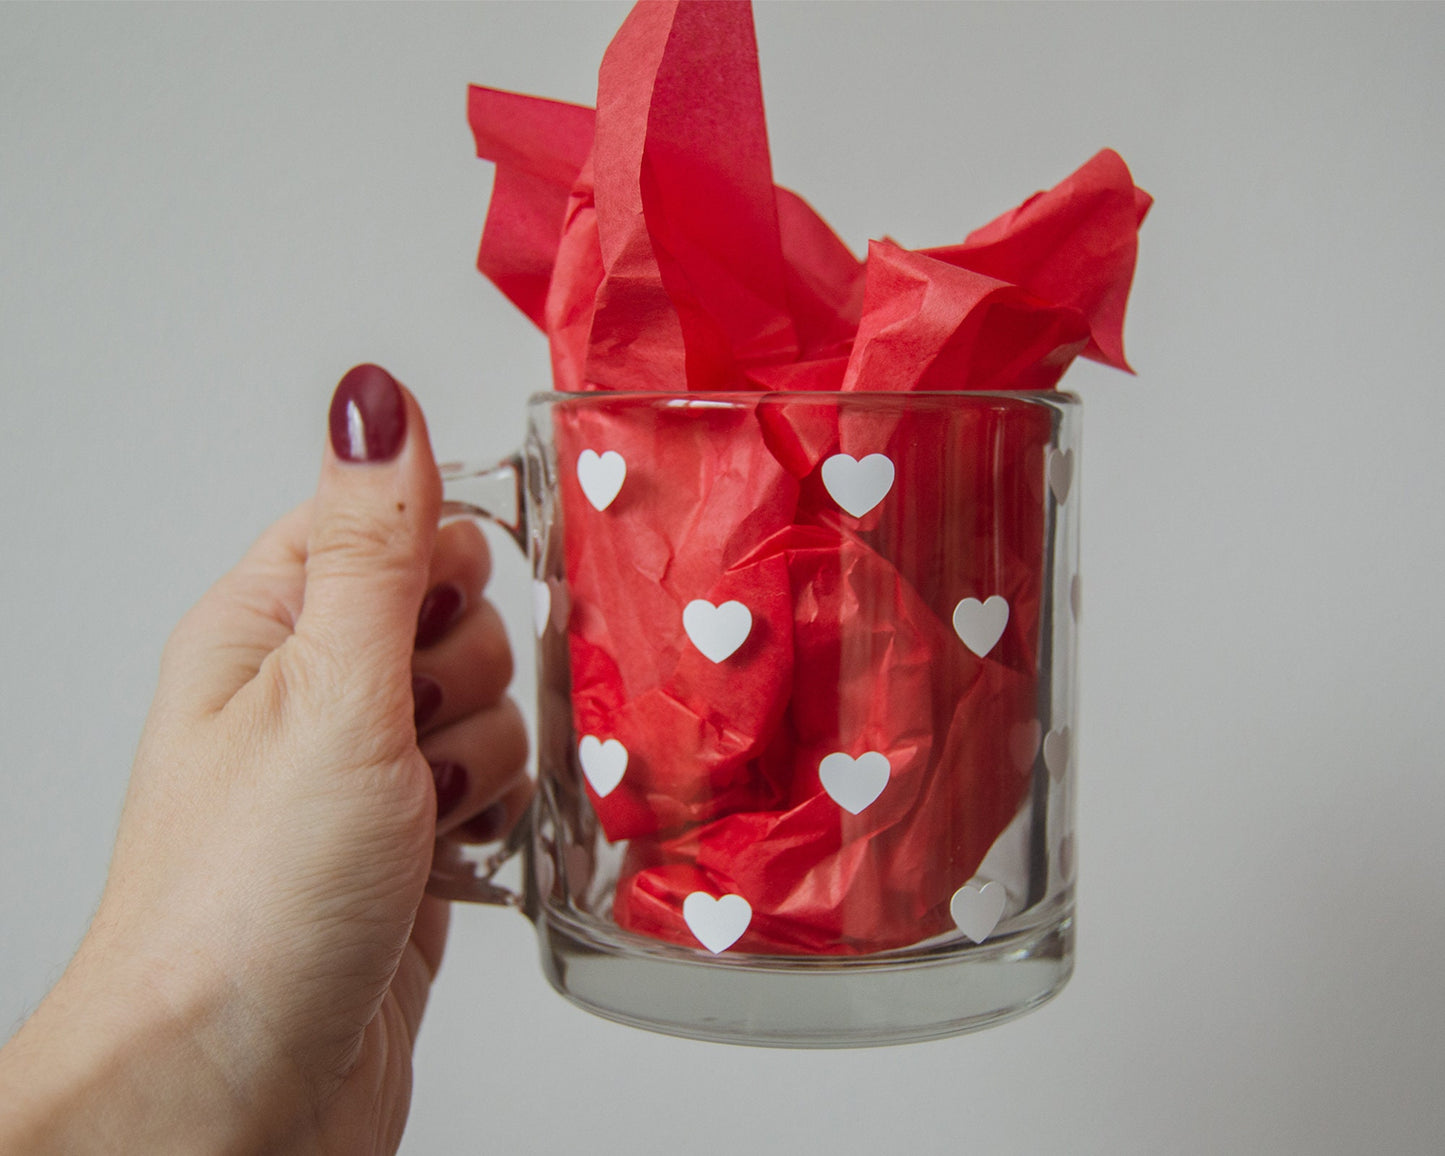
(809, 1002)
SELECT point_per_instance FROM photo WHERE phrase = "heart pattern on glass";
(560, 599)
(1061, 474)
(854, 783)
(604, 763)
(1023, 743)
(979, 625)
(601, 476)
(858, 484)
(541, 606)
(717, 631)
(1057, 744)
(545, 873)
(717, 923)
(976, 910)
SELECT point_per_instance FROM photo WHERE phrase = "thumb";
(374, 520)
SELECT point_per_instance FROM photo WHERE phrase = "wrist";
(120, 1057)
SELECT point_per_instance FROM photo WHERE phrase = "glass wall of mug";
(806, 707)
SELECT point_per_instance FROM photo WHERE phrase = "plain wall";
(208, 213)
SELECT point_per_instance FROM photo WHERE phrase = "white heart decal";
(857, 485)
(541, 606)
(1061, 473)
(976, 910)
(980, 624)
(717, 631)
(604, 764)
(1056, 752)
(854, 783)
(561, 600)
(717, 923)
(601, 477)
(1023, 743)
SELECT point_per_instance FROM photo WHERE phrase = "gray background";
(208, 213)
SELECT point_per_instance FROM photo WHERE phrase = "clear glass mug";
(806, 705)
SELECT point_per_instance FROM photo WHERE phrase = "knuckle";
(343, 699)
(176, 651)
(466, 539)
(358, 542)
(512, 740)
(484, 658)
(496, 649)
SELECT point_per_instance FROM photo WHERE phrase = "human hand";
(256, 972)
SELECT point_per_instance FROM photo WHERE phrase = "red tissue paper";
(648, 241)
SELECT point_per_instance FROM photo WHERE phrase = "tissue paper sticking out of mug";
(649, 242)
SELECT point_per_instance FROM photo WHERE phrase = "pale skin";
(257, 969)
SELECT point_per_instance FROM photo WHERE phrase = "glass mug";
(806, 690)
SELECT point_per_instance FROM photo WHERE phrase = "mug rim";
(752, 396)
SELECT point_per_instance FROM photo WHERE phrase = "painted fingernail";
(368, 416)
(439, 609)
(426, 698)
(487, 826)
(451, 784)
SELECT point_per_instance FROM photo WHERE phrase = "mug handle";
(490, 494)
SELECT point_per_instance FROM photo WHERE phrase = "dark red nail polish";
(439, 609)
(487, 826)
(451, 784)
(426, 698)
(368, 416)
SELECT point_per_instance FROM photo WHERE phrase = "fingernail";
(426, 698)
(451, 784)
(487, 826)
(368, 416)
(439, 609)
